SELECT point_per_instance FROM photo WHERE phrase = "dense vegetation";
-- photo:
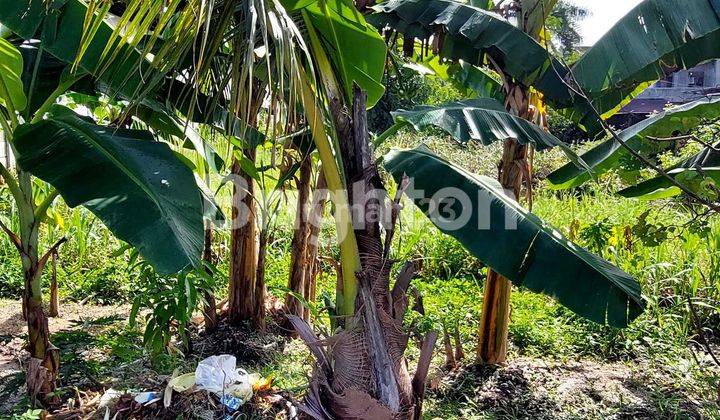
(110, 127)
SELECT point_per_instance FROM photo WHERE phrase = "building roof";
(645, 106)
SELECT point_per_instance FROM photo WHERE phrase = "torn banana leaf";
(472, 34)
(514, 242)
(484, 120)
(656, 38)
(609, 154)
(699, 173)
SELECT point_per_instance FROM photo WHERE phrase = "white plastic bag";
(217, 373)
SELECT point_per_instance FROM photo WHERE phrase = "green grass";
(674, 258)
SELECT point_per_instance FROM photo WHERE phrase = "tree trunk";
(210, 307)
(320, 197)
(368, 375)
(54, 308)
(243, 248)
(44, 361)
(300, 264)
(493, 331)
(450, 362)
(260, 290)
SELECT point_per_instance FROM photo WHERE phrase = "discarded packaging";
(183, 382)
(216, 373)
(219, 375)
(147, 398)
(109, 396)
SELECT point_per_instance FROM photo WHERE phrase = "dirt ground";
(524, 388)
(541, 389)
(13, 332)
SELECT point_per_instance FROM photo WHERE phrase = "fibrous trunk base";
(44, 361)
(243, 249)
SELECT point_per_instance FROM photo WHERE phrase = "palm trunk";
(493, 331)
(299, 246)
(210, 308)
(54, 308)
(320, 197)
(368, 375)
(243, 248)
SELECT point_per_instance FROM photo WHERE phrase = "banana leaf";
(135, 185)
(356, 49)
(471, 34)
(534, 13)
(654, 39)
(11, 67)
(161, 119)
(200, 108)
(699, 180)
(466, 77)
(43, 73)
(483, 120)
(609, 154)
(700, 173)
(59, 24)
(514, 242)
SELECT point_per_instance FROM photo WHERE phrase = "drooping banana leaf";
(700, 173)
(609, 154)
(471, 34)
(699, 180)
(135, 185)
(514, 242)
(11, 68)
(483, 120)
(356, 49)
(654, 39)
(60, 23)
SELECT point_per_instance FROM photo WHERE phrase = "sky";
(604, 14)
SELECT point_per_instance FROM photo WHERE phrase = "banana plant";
(517, 54)
(645, 137)
(133, 183)
(654, 34)
(701, 173)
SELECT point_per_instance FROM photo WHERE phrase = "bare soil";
(13, 333)
(526, 387)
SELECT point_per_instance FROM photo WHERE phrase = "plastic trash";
(216, 373)
(182, 383)
(147, 398)
(242, 389)
(232, 403)
(109, 396)
(219, 375)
